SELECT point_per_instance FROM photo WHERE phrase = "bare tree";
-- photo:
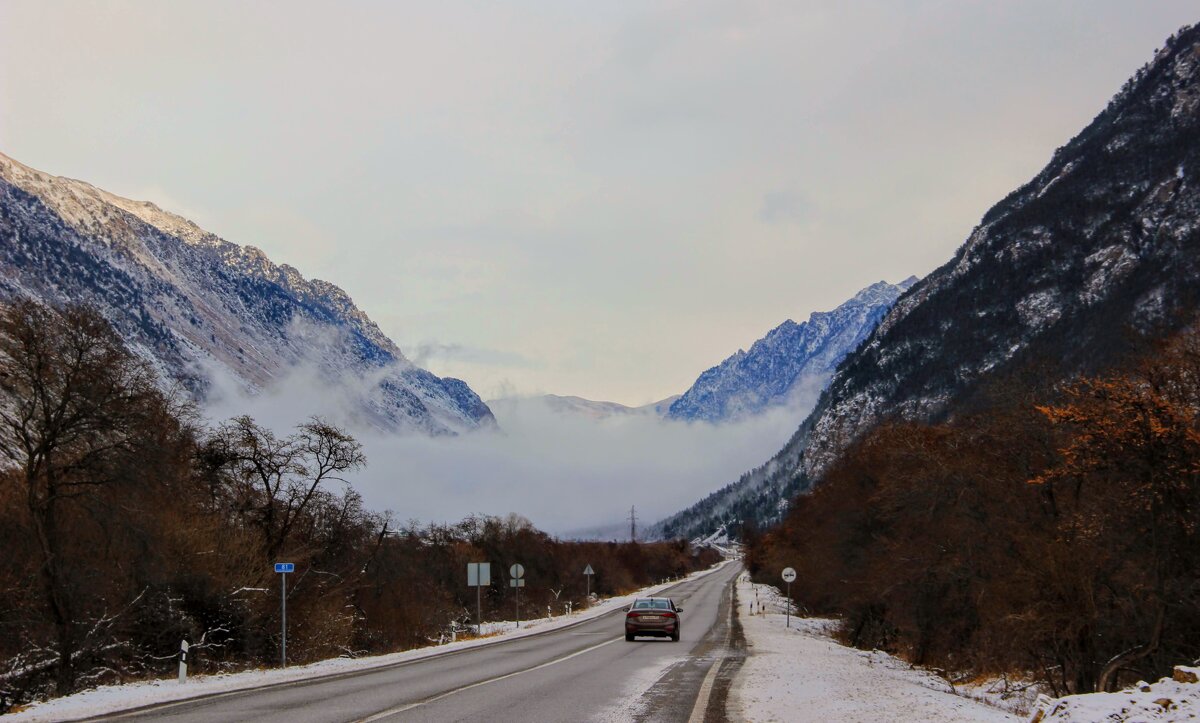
(276, 480)
(73, 402)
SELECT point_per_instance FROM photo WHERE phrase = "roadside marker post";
(517, 582)
(788, 576)
(479, 576)
(183, 651)
(283, 568)
(588, 572)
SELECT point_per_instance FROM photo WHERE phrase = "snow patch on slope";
(1170, 699)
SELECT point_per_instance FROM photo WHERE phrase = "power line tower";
(633, 524)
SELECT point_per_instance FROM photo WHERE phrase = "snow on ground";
(1170, 699)
(110, 698)
(1014, 695)
(802, 674)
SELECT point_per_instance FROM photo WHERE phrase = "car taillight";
(668, 615)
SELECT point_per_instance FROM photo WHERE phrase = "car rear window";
(651, 605)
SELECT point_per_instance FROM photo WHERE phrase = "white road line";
(409, 706)
(701, 706)
(697, 715)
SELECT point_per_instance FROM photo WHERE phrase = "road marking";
(409, 706)
(701, 706)
(697, 715)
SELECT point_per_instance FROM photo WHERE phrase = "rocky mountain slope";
(198, 306)
(1098, 253)
(790, 360)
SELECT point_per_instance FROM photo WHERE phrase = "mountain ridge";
(791, 358)
(195, 305)
(1094, 255)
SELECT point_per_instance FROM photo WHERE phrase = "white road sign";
(479, 574)
(516, 583)
(789, 574)
(517, 570)
(588, 570)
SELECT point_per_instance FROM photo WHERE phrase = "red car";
(657, 616)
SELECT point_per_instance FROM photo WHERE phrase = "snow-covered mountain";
(578, 406)
(791, 359)
(198, 306)
(1095, 257)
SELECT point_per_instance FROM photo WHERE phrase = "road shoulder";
(802, 674)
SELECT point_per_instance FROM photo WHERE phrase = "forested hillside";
(1052, 531)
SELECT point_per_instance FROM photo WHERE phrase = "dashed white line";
(409, 706)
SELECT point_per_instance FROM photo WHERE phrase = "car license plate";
(652, 617)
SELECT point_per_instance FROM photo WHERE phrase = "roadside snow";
(1013, 694)
(802, 674)
(112, 698)
(1169, 699)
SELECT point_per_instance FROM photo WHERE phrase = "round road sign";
(517, 570)
(788, 574)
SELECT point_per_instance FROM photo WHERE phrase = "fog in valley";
(565, 471)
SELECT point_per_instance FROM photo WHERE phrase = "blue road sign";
(285, 567)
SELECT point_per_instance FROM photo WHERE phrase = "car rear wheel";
(675, 636)
(629, 637)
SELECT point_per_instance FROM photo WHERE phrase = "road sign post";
(587, 571)
(479, 576)
(518, 572)
(788, 576)
(283, 568)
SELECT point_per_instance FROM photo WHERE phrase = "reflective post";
(183, 651)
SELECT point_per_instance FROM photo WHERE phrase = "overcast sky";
(592, 198)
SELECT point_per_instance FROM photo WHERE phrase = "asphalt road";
(585, 672)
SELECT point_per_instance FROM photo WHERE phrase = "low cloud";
(567, 471)
(424, 353)
(563, 471)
